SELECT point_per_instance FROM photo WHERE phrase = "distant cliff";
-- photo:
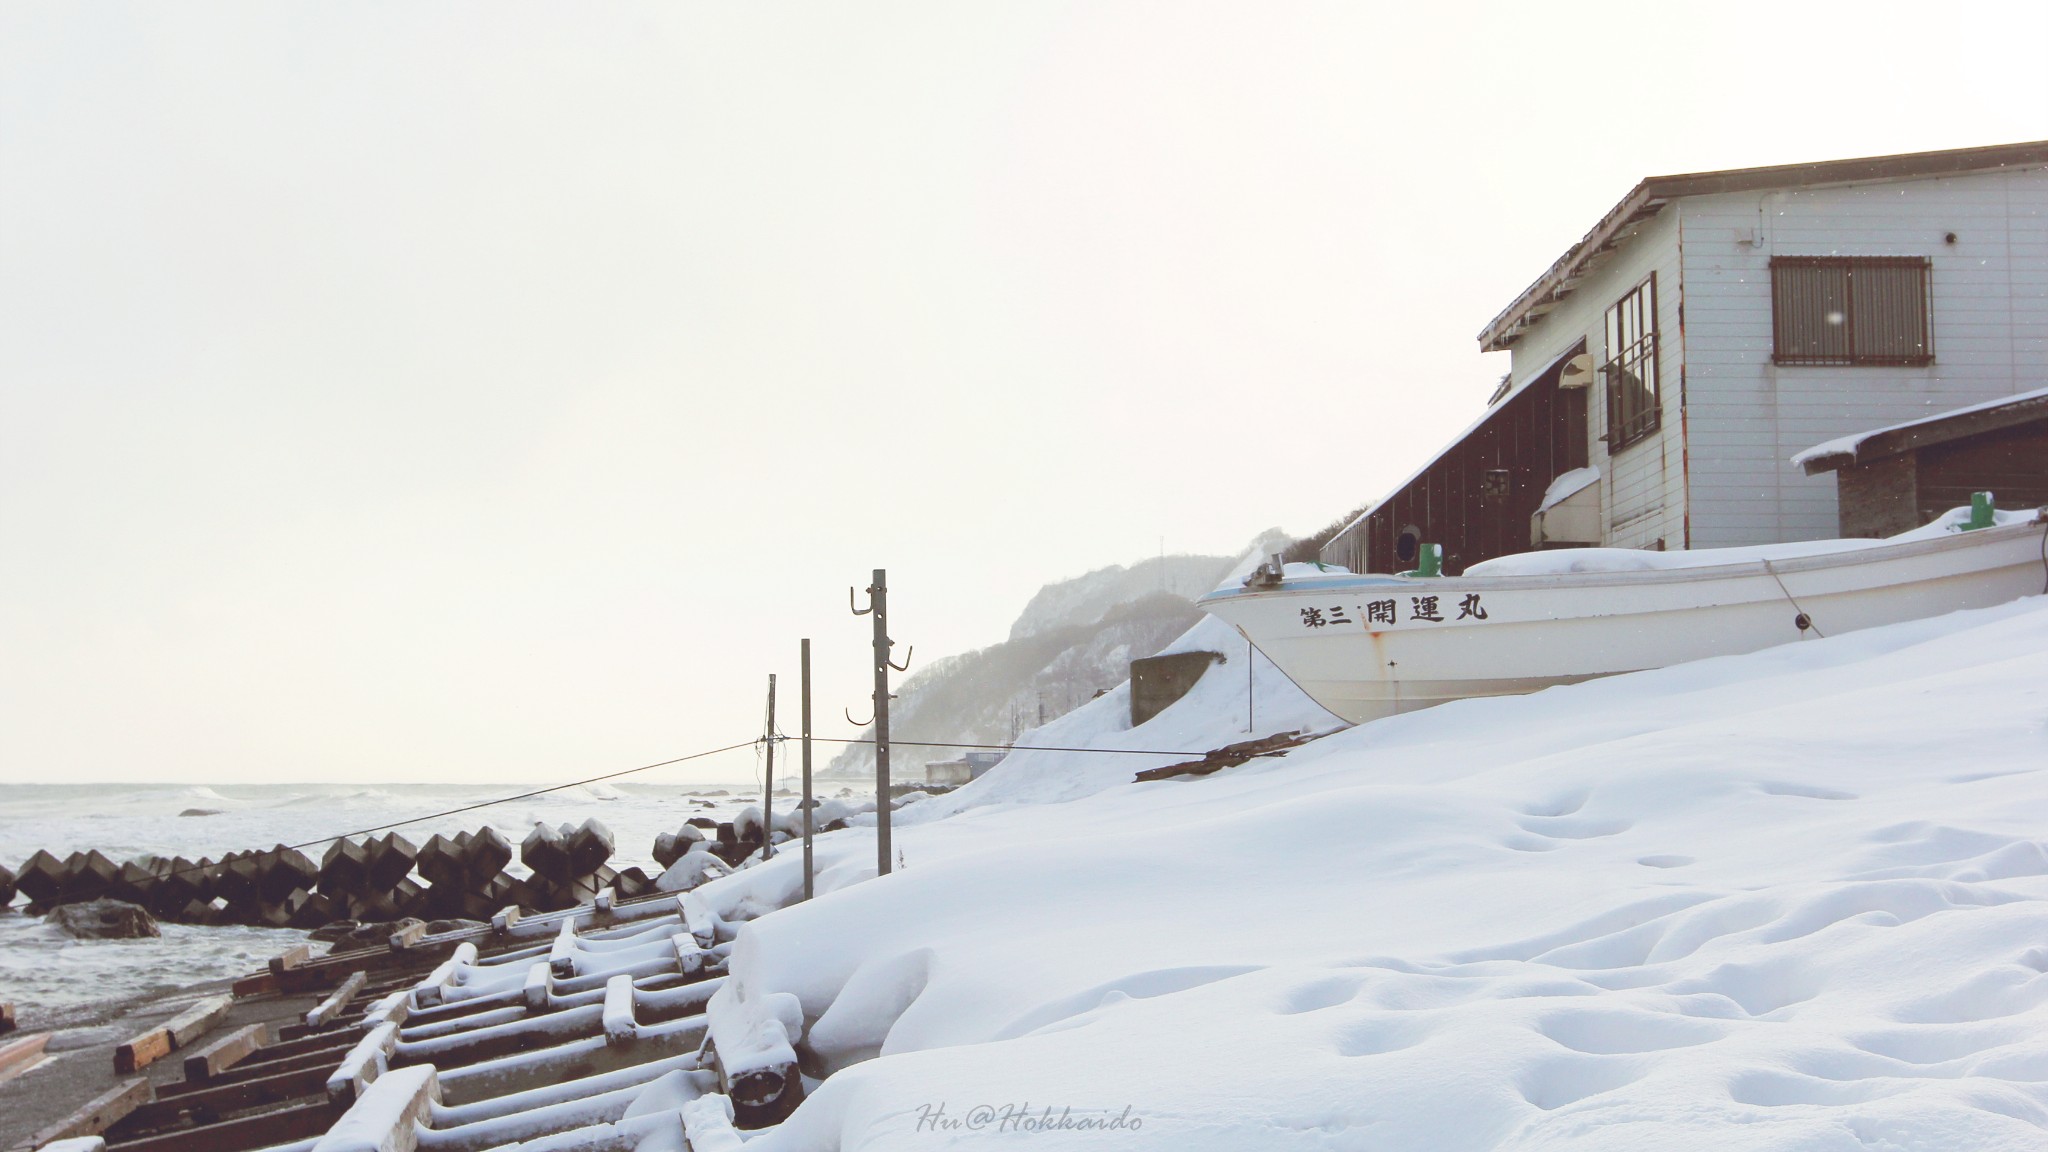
(1074, 639)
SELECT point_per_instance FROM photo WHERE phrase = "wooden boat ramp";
(585, 1028)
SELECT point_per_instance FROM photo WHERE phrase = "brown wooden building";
(1477, 496)
(1897, 478)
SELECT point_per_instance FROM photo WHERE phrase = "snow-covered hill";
(1790, 900)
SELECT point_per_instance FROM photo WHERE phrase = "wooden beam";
(295, 956)
(7, 1023)
(21, 1054)
(249, 1070)
(224, 1052)
(142, 1051)
(261, 984)
(324, 1012)
(198, 1020)
(210, 1103)
(303, 1031)
(160, 1041)
(99, 1113)
(408, 936)
(260, 1131)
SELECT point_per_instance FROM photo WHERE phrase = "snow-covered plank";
(707, 1124)
(323, 1013)
(499, 1039)
(78, 1144)
(753, 1041)
(587, 1056)
(562, 957)
(432, 988)
(555, 1092)
(455, 1025)
(536, 989)
(703, 922)
(619, 1024)
(363, 1064)
(386, 1118)
(689, 957)
(505, 919)
(394, 1008)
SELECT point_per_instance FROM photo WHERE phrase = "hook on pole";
(860, 611)
(905, 666)
(857, 723)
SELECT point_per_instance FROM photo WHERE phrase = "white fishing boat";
(1367, 646)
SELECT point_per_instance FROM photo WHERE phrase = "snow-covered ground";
(1791, 900)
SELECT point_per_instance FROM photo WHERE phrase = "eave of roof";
(1975, 420)
(1649, 197)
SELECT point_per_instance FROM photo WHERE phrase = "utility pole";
(768, 792)
(879, 599)
(1248, 722)
(878, 607)
(808, 801)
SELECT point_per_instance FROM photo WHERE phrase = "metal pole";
(878, 597)
(1248, 686)
(808, 802)
(768, 792)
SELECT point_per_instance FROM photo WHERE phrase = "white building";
(1712, 325)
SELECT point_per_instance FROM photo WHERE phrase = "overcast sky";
(497, 392)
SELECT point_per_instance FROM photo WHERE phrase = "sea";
(56, 981)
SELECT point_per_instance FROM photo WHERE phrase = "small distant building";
(969, 768)
(1709, 327)
(1894, 479)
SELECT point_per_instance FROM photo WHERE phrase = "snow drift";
(1795, 899)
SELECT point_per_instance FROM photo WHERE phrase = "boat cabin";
(1667, 367)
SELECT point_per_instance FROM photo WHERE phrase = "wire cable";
(491, 803)
(1800, 616)
(1013, 747)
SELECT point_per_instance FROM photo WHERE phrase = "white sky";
(497, 392)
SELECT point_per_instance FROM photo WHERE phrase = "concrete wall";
(1158, 681)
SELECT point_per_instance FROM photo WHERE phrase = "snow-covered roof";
(1568, 485)
(1940, 428)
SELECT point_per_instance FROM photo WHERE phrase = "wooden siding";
(1535, 436)
(1642, 487)
(1747, 416)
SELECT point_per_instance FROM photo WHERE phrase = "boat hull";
(1367, 646)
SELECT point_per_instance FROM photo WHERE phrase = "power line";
(1013, 747)
(500, 800)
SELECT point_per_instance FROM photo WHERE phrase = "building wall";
(1746, 416)
(1643, 487)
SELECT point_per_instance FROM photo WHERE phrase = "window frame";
(1785, 339)
(1627, 363)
